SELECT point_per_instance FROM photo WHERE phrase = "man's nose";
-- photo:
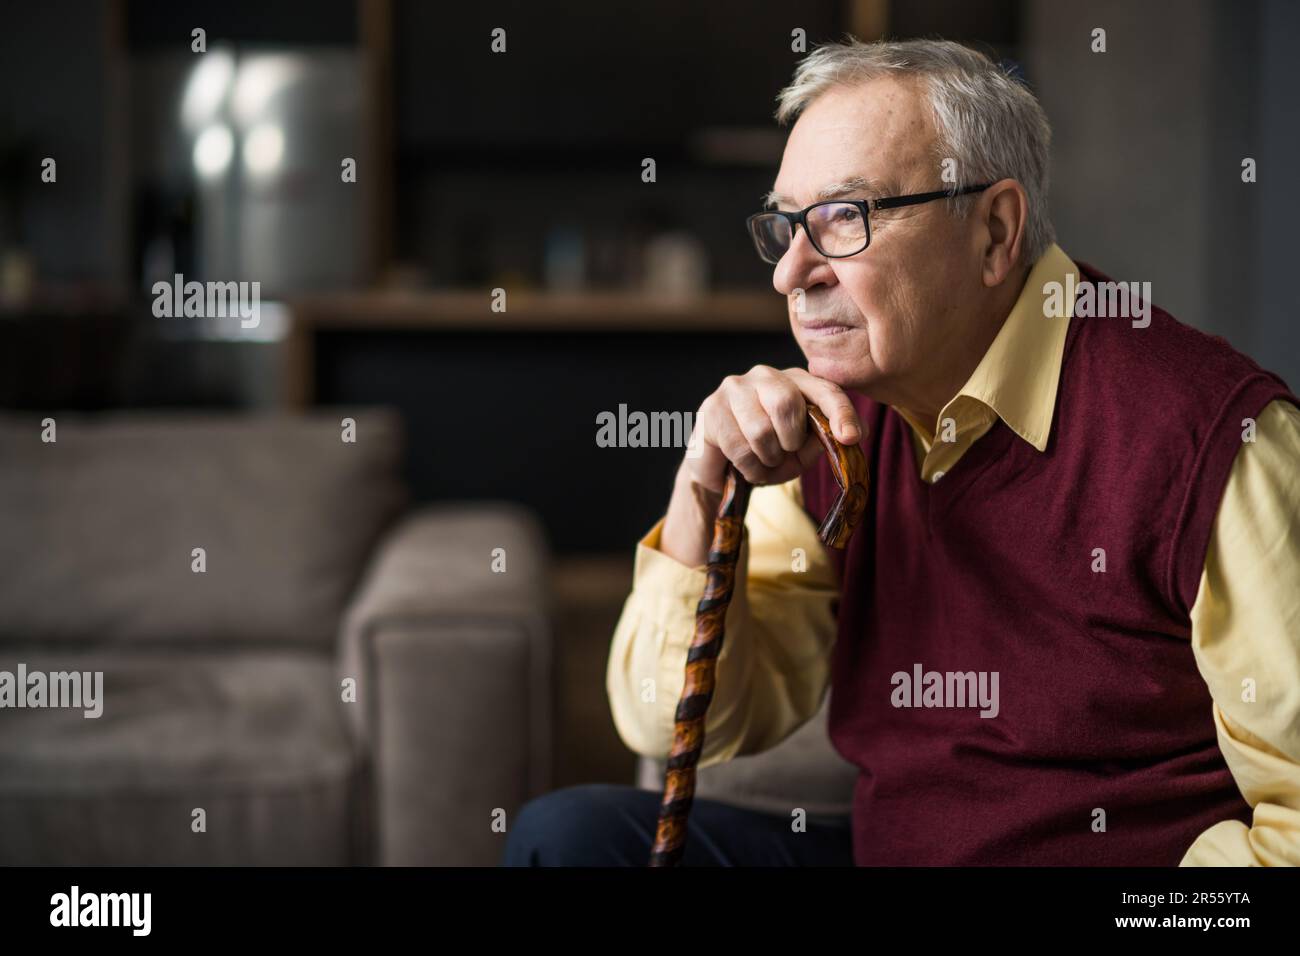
(802, 266)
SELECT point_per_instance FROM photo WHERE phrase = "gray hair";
(988, 122)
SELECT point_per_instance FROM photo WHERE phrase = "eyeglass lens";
(836, 229)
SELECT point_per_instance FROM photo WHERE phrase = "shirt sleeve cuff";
(666, 592)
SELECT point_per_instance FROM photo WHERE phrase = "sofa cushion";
(254, 738)
(99, 526)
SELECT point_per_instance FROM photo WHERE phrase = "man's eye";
(847, 214)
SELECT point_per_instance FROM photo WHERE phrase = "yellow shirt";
(774, 666)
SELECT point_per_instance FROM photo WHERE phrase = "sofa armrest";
(452, 662)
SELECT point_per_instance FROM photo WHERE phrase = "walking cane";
(850, 470)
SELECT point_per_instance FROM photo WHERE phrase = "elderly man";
(1092, 514)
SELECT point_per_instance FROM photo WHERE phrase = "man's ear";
(1004, 207)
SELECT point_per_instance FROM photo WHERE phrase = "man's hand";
(759, 422)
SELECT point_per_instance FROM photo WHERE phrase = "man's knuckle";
(787, 407)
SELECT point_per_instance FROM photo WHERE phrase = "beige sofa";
(227, 733)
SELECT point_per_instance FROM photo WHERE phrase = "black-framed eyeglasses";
(837, 228)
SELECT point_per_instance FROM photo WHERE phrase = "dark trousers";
(605, 824)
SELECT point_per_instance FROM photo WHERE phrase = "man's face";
(875, 321)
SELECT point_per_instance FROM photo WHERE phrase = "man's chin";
(857, 373)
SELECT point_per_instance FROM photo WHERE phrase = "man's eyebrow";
(857, 184)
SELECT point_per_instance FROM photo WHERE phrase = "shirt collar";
(1018, 376)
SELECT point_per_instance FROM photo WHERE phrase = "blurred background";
(478, 170)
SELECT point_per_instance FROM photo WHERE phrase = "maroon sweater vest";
(1101, 706)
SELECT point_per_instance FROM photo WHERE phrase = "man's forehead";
(861, 138)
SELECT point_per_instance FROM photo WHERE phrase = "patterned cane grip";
(850, 470)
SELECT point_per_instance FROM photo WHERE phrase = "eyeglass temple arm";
(893, 202)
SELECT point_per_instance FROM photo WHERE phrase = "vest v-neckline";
(988, 450)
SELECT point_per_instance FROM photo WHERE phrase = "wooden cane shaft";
(849, 467)
(701, 665)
